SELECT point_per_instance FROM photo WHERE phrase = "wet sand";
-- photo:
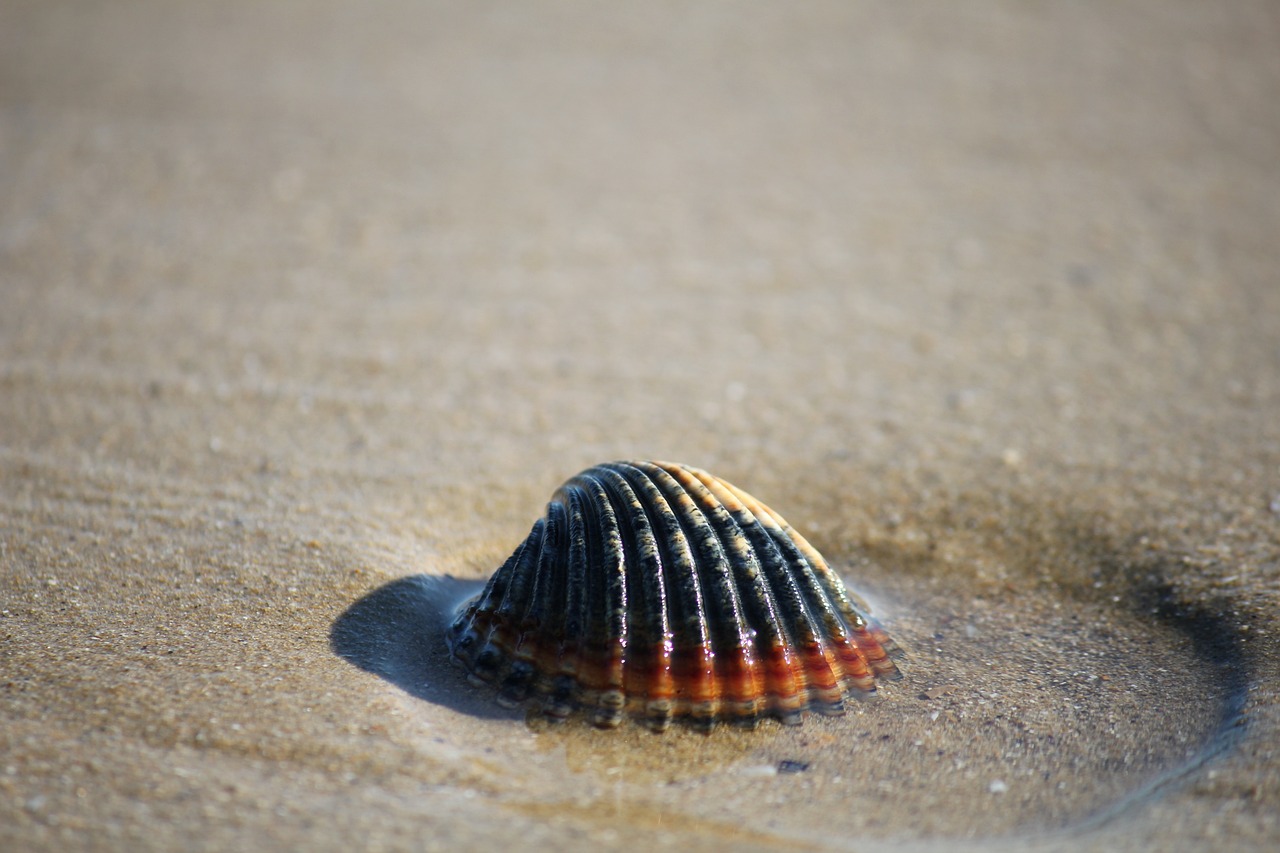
(306, 309)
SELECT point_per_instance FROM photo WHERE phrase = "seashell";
(658, 590)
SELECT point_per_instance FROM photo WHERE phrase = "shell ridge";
(846, 657)
(864, 638)
(548, 578)
(809, 657)
(494, 640)
(578, 590)
(489, 597)
(853, 609)
(522, 575)
(693, 650)
(733, 642)
(575, 585)
(821, 594)
(774, 644)
(606, 637)
(533, 628)
(819, 679)
(647, 655)
(554, 616)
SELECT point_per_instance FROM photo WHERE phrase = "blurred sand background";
(305, 306)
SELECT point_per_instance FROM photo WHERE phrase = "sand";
(307, 308)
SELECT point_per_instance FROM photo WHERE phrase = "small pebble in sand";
(758, 770)
(938, 691)
(998, 787)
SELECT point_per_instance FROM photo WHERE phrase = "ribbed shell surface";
(658, 590)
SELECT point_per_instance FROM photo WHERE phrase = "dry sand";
(306, 308)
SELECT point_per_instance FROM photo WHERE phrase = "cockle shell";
(661, 591)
